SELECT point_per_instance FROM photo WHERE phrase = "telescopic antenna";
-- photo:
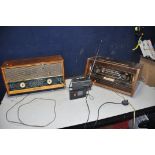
(95, 58)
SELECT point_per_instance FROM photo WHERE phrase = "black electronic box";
(79, 88)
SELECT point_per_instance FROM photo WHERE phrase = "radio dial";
(22, 85)
(49, 81)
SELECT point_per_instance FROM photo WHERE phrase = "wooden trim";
(28, 65)
(5, 80)
(134, 83)
(114, 63)
(32, 61)
(36, 89)
(63, 71)
(113, 89)
(87, 67)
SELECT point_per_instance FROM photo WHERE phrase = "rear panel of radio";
(31, 75)
(119, 77)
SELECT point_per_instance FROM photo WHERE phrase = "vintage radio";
(114, 75)
(29, 75)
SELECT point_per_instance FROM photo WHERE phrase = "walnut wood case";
(34, 74)
(114, 75)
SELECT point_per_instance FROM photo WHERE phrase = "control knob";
(22, 85)
(49, 81)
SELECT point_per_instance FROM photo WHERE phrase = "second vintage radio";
(114, 75)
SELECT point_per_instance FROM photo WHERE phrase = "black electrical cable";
(18, 113)
(37, 125)
(12, 108)
(91, 98)
(126, 102)
(101, 107)
(88, 111)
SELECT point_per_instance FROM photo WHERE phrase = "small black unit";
(79, 87)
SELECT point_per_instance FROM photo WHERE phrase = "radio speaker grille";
(33, 72)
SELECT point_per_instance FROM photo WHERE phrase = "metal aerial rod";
(95, 59)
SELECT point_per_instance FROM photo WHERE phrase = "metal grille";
(33, 72)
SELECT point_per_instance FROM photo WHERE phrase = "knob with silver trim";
(49, 81)
(22, 85)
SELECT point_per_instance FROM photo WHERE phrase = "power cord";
(126, 102)
(88, 111)
(12, 108)
(91, 98)
(134, 114)
(98, 112)
(18, 113)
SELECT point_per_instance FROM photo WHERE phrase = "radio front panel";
(113, 75)
(33, 75)
(20, 85)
